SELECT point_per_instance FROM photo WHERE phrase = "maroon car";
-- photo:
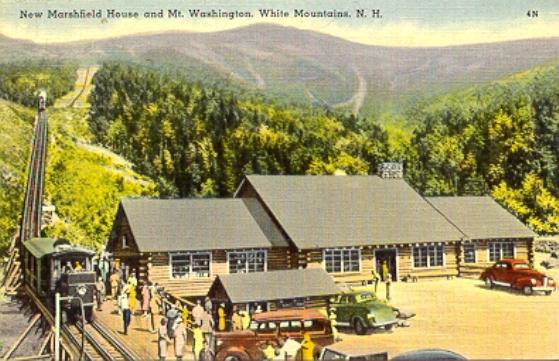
(517, 274)
(273, 327)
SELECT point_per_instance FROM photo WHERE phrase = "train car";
(42, 104)
(56, 265)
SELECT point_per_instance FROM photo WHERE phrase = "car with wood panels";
(273, 327)
(517, 274)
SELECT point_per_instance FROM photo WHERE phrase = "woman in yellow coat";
(307, 348)
(221, 315)
(132, 298)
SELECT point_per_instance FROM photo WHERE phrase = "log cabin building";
(183, 243)
(350, 224)
(274, 290)
(491, 232)
(344, 225)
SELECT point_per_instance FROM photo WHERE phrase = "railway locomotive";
(42, 104)
(56, 265)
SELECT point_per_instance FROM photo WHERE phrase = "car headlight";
(82, 290)
(219, 342)
(534, 281)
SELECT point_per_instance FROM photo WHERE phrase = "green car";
(362, 311)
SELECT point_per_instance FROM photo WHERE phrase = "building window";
(339, 260)
(469, 253)
(190, 265)
(125, 242)
(500, 250)
(247, 261)
(428, 256)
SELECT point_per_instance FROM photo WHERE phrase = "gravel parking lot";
(463, 316)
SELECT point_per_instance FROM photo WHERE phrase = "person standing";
(222, 316)
(334, 323)
(385, 270)
(197, 340)
(162, 340)
(180, 339)
(207, 326)
(115, 282)
(99, 292)
(237, 319)
(206, 354)
(386, 277)
(307, 348)
(124, 306)
(197, 313)
(146, 295)
(247, 318)
(375, 279)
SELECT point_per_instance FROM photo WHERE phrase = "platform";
(139, 337)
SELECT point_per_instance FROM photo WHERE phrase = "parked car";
(363, 311)
(517, 274)
(351, 353)
(273, 327)
(429, 355)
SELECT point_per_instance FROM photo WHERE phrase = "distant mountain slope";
(308, 66)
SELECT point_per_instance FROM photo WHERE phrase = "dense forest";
(21, 82)
(197, 141)
(500, 139)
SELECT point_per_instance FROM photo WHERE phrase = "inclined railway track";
(32, 212)
(99, 343)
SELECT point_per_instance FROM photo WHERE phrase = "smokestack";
(391, 170)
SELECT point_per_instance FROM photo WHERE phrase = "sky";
(403, 22)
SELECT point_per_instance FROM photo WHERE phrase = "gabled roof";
(337, 211)
(163, 225)
(277, 285)
(481, 217)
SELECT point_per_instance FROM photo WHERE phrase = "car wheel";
(489, 282)
(527, 290)
(236, 356)
(359, 327)
(548, 293)
(389, 327)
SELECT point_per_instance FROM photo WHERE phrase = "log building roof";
(165, 225)
(481, 217)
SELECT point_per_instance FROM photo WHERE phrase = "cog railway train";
(55, 265)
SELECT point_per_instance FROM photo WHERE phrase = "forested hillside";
(83, 182)
(20, 82)
(501, 139)
(197, 141)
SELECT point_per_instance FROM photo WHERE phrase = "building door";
(388, 256)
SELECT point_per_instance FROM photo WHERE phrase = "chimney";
(391, 170)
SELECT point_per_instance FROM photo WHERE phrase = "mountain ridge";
(306, 66)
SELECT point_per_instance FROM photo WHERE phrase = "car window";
(364, 297)
(284, 325)
(351, 299)
(267, 327)
(313, 325)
